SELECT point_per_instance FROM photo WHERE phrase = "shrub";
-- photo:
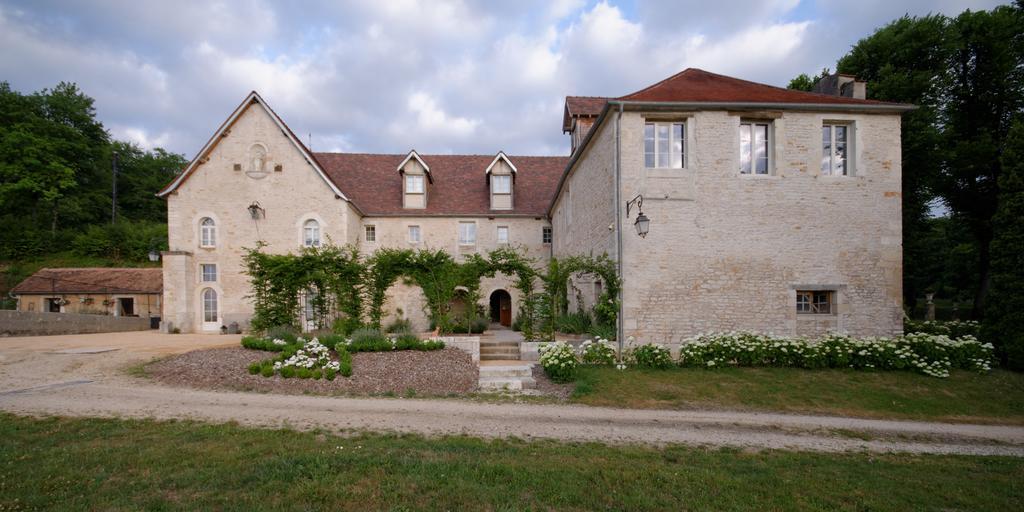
(345, 325)
(282, 332)
(599, 351)
(478, 325)
(573, 323)
(952, 328)
(260, 343)
(605, 332)
(652, 355)
(368, 340)
(344, 363)
(307, 362)
(559, 361)
(400, 325)
(929, 354)
(332, 340)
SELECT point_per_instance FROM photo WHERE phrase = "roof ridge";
(810, 93)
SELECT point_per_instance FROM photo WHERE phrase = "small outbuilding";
(99, 291)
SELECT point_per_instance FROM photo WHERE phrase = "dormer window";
(501, 174)
(416, 176)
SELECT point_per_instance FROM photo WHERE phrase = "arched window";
(209, 306)
(207, 233)
(311, 233)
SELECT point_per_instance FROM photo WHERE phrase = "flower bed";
(930, 354)
(312, 359)
(933, 355)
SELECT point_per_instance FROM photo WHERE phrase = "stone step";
(499, 344)
(499, 357)
(507, 383)
(506, 371)
(498, 350)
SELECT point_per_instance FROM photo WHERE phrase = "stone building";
(770, 209)
(97, 291)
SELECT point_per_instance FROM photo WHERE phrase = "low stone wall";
(470, 344)
(26, 323)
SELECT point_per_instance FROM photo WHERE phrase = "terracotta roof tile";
(460, 185)
(92, 280)
(697, 85)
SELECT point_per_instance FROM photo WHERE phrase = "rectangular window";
(502, 234)
(755, 147)
(501, 184)
(371, 233)
(413, 184)
(834, 144)
(209, 271)
(467, 233)
(815, 302)
(664, 145)
(545, 236)
(414, 234)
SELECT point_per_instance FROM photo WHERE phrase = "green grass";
(997, 397)
(92, 464)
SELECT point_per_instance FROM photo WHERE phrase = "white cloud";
(432, 120)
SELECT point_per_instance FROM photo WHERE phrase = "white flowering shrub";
(952, 328)
(933, 355)
(651, 355)
(559, 361)
(306, 359)
(598, 351)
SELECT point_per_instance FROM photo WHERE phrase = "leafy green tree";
(141, 174)
(985, 91)
(1004, 311)
(805, 83)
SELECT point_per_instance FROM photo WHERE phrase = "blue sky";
(391, 75)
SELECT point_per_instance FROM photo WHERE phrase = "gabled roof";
(696, 85)
(413, 155)
(581, 106)
(459, 188)
(252, 99)
(92, 280)
(501, 156)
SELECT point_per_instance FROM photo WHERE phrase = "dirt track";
(34, 380)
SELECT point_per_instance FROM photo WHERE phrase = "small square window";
(815, 302)
(755, 147)
(209, 272)
(371, 233)
(664, 145)
(414, 234)
(501, 184)
(546, 235)
(502, 234)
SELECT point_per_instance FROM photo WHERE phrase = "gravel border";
(405, 372)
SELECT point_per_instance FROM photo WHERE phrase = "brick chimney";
(839, 84)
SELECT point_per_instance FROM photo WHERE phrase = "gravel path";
(35, 381)
(432, 373)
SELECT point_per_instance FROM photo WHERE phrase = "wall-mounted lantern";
(642, 224)
(256, 211)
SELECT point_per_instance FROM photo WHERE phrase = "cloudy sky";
(390, 75)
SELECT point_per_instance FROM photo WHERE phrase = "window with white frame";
(209, 305)
(413, 183)
(209, 272)
(414, 234)
(664, 145)
(501, 184)
(467, 233)
(502, 234)
(815, 302)
(755, 147)
(371, 233)
(207, 233)
(545, 235)
(835, 143)
(311, 233)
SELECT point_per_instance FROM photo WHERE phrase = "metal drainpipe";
(619, 327)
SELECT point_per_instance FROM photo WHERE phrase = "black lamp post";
(642, 224)
(256, 211)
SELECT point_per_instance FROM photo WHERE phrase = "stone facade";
(143, 305)
(256, 162)
(729, 251)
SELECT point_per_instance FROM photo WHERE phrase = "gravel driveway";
(33, 380)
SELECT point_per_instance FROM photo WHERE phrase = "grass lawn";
(997, 397)
(94, 464)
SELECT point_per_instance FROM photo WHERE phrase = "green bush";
(559, 361)
(261, 343)
(345, 325)
(601, 331)
(331, 340)
(597, 351)
(344, 363)
(952, 328)
(573, 323)
(283, 332)
(369, 340)
(652, 355)
(400, 325)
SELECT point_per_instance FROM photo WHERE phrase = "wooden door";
(506, 311)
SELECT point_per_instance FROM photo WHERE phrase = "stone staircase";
(513, 376)
(499, 350)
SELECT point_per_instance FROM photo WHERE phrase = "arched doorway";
(501, 308)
